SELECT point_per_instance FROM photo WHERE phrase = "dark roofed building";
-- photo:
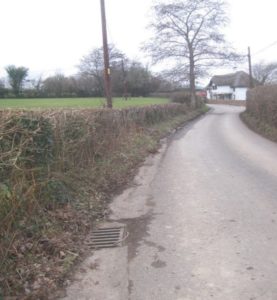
(230, 86)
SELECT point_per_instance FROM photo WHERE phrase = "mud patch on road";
(130, 286)
(150, 201)
(138, 230)
(158, 264)
(154, 245)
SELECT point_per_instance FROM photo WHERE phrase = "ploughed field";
(77, 102)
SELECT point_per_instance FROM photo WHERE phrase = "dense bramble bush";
(43, 154)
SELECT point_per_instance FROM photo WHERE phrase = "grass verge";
(259, 126)
(77, 103)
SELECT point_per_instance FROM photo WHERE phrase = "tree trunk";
(192, 82)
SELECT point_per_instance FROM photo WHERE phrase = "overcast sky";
(50, 36)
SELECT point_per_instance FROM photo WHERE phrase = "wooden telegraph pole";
(125, 89)
(250, 69)
(107, 70)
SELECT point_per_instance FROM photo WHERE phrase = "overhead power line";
(264, 49)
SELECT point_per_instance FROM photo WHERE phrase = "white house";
(229, 87)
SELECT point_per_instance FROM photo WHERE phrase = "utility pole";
(125, 88)
(107, 70)
(250, 69)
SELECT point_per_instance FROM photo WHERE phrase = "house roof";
(238, 79)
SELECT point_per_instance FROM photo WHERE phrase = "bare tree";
(37, 83)
(188, 34)
(92, 65)
(129, 77)
(265, 73)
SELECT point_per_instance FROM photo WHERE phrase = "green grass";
(77, 102)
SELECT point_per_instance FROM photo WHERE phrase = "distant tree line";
(129, 78)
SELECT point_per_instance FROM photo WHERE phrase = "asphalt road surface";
(202, 220)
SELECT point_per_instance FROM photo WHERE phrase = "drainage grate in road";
(107, 237)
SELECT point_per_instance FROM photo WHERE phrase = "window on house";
(214, 87)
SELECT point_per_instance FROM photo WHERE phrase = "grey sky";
(49, 36)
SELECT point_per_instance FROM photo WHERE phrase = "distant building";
(229, 87)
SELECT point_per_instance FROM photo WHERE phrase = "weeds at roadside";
(58, 171)
(260, 126)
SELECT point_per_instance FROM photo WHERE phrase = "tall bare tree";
(188, 34)
(265, 73)
(17, 76)
(92, 65)
(37, 84)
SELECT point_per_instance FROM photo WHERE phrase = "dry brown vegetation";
(58, 169)
(261, 111)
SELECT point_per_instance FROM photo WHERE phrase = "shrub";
(26, 153)
(181, 97)
(262, 104)
(184, 97)
(35, 147)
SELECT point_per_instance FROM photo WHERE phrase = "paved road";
(202, 220)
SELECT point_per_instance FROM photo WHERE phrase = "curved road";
(203, 219)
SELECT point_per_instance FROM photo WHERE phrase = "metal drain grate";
(107, 237)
